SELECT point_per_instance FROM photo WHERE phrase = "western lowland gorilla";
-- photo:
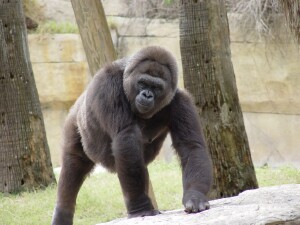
(121, 121)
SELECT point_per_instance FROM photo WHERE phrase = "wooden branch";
(94, 32)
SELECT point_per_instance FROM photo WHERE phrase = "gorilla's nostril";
(147, 94)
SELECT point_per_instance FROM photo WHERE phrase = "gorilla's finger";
(195, 210)
(189, 206)
(203, 206)
(207, 205)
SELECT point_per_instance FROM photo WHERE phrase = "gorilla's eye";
(142, 85)
(158, 90)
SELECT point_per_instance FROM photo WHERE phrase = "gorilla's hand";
(195, 201)
(144, 213)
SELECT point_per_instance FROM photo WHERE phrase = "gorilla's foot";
(144, 213)
(62, 217)
(195, 201)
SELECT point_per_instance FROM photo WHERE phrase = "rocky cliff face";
(267, 74)
(61, 74)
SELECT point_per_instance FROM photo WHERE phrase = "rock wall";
(267, 75)
(61, 74)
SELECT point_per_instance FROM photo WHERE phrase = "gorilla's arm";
(189, 143)
(132, 173)
(106, 102)
(110, 106)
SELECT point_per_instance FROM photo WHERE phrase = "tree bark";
(97, 43)
(94, 32)
(291, 10)
(24, 154)
(209, 76)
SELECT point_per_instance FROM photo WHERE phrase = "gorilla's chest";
(153, 128)
(150, 133)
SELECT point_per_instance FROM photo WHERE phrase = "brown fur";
(107, 126)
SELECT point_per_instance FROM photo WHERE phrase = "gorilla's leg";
(132, 173)
(75, 167)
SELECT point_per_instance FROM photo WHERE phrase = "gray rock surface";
(269, 205)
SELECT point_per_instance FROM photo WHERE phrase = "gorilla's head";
(150, 80)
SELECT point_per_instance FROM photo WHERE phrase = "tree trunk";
(94, 32)
(97, 42)
(291, 10)
(24, 154)
(209, 76)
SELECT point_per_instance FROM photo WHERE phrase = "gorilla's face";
(149, 90)
(150, 82)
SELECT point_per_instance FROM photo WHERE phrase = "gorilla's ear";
(154, 53)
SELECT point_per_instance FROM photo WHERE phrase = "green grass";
(52, 27)
(100, 198)
(27, 208)
(283, 175)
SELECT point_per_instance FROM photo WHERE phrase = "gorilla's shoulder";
(107, 80)
(115, 68)
(182, 95)
(106, 86)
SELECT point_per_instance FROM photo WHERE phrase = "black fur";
(115, 123)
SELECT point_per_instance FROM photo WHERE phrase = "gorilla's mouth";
(144, 107)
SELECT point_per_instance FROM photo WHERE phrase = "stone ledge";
(269, 205)
(55, 48)
(60, 82)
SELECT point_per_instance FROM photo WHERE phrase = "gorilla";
(121, 121)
